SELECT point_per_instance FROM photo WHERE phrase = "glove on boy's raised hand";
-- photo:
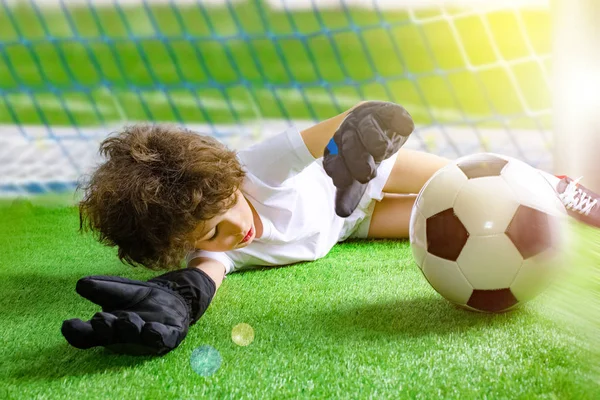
(141, 318)
(369, 134)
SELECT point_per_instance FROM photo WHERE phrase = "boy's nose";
(236, 228)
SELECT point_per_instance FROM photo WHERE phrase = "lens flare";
(242, 334)
(205, 360)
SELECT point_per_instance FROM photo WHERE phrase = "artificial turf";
(360, 323)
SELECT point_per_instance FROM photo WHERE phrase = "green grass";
(359, 323)
(196, 72)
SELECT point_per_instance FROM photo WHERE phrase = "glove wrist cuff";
(200, 295)
(194, 286)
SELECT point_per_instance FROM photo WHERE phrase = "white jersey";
(295, 199)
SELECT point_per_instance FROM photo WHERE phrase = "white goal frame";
(576, 94)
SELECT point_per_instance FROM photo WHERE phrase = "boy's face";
(234, 229)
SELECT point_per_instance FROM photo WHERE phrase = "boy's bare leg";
(411, 170)
(391, 216)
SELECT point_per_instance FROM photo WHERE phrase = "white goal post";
(576, 108)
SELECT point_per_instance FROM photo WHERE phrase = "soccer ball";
(487, 232)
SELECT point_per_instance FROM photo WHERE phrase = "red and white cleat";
(580, 202)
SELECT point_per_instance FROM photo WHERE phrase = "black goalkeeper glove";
(369, 134)
(141, 318)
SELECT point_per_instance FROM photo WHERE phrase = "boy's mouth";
(248, 236)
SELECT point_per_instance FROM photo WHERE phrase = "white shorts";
(356, 225)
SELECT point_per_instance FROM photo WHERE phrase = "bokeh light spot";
(242, 334)
(205, 360)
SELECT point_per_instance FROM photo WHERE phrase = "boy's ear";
(193, 237)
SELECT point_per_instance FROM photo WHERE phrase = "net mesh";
(474, 75)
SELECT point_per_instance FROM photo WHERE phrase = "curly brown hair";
(157, 184)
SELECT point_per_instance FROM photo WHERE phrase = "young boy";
(164, 192)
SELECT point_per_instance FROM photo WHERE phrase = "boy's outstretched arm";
(144, 318)
(211, 267)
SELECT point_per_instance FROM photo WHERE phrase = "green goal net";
(474, 74)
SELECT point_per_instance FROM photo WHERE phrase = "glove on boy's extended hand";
(141, 318)
(369, 134)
